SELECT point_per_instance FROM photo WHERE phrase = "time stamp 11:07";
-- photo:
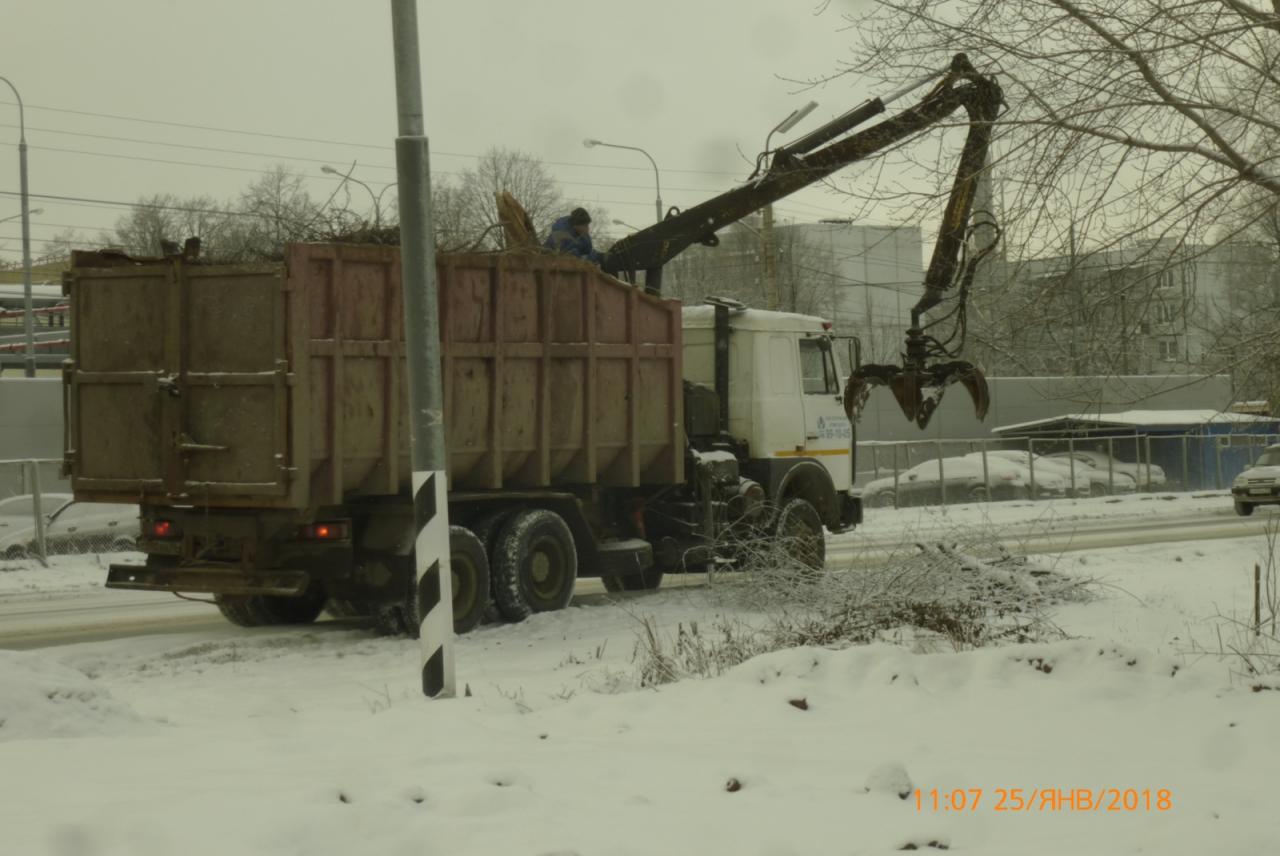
(1044, 799)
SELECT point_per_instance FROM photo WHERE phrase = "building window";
(1168, 349)
(1164, 312)
(1165, 279)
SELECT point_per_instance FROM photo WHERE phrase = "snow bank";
(40, 698)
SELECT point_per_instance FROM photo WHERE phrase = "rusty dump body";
(282, 386)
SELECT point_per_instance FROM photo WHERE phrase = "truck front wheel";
(799, 529)
(535, 564)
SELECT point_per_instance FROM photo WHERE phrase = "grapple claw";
(918, 391)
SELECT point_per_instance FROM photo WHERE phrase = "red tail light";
(325, 532)
(162, 529)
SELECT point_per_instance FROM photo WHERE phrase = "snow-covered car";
(1143, 476)
(1088, 479)
(921, 485)
(1258, 485)
(70, 526)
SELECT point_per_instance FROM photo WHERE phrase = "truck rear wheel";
(469, 582)
(799, 528)
(487, 528)
(256, 610)
(535, 564)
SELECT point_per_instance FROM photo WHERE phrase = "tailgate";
(177, 389)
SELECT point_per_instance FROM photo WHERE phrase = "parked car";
(70, 526)
(1137, 472)
(920, 485)
(1258, 485)
(1088, 479)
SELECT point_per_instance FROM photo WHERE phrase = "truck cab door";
(828, 433)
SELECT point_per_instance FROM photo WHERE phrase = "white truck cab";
(784, 399)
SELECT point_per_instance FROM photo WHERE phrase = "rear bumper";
(208, 579)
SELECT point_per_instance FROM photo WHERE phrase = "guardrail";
(1139, 462)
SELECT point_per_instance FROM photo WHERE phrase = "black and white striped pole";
(422, 351)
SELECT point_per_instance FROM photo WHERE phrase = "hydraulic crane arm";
(802, 163)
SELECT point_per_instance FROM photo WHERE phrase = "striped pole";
(435, 583)
(422, 357)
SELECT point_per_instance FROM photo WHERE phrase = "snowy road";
(69, 611)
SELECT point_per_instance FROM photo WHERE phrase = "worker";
(571, 234)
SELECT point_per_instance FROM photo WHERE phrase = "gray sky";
(688, 80)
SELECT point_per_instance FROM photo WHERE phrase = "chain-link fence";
(39, 518)
(928, 472)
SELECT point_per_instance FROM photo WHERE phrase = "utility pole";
(28, 324)
(422, 348)
(768, 249)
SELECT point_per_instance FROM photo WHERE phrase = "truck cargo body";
(282, 386)
(257, 414)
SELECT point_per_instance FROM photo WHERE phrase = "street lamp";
(377, 197)
(628, 225)
(16, 216)
(590, 144)
(28, 328)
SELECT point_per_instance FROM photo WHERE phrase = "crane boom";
(802, 163)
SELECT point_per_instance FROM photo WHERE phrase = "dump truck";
(258, 413)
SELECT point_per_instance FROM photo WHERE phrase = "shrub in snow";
(961, 595)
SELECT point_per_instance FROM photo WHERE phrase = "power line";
(373, 147)
(290, 138)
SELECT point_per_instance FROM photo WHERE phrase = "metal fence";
(925, 472)
(37, 522)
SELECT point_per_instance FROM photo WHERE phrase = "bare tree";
(165, 217)
(269, 213)
(500, 169)
(1130, 125)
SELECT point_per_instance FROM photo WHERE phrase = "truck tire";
(471, 579)
(800, 529)
(487, 528)
(469, 583)
(535, 564)
(1244, 509)
(256, 610)
(647, 580)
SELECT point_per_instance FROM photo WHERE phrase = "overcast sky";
(688, 80)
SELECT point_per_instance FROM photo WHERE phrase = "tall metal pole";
(28, 325)
(422, 345)
(769, 251)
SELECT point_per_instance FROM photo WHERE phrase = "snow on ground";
(317, 741)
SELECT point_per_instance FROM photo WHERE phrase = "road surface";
(38, 620)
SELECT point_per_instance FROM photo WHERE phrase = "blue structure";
(1196, 449)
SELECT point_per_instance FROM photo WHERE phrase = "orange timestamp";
(1045, 799)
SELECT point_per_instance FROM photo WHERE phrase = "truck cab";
(784, 403)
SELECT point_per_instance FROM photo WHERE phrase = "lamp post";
(16, 216)
(377, 197)
(28, 327)
(628, 225)
(657, 183)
